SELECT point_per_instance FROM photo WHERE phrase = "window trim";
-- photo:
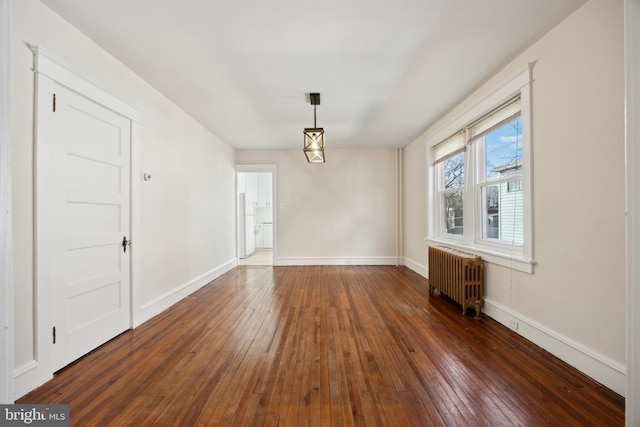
(516, 257)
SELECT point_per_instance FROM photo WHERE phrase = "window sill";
(505, 260)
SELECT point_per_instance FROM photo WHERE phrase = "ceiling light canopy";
(314, 137)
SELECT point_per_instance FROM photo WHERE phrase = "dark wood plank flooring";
(324, 346)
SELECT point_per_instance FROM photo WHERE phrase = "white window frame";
(478, 150)
(512, 256)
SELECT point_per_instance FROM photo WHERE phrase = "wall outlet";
(512, 323)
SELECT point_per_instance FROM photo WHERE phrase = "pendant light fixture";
(314, 137)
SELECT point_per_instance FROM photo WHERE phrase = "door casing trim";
(49, 69)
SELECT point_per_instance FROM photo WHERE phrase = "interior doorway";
(89, 177)
(84, 214)
(256, 214)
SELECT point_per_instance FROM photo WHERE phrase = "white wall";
(186, 211)
(339, 212)
(6, 241)
(632, 105)
(574, 303)
(415, 207)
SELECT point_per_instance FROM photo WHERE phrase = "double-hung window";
(451, 184)
(480, 195)
(497, 140)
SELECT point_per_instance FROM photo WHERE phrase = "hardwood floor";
(324, 346)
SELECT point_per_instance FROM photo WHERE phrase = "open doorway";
(256, 214)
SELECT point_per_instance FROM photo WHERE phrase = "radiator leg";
(477, 304)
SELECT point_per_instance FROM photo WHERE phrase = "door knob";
(125, 243)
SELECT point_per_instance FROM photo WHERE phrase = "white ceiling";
(385, 69)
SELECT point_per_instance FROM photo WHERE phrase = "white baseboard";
(27, 378)
(605, 371)
(418, 268)
(295, 261)
(157, 305)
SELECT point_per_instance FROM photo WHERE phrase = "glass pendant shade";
(314, 145)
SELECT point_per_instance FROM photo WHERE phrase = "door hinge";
(54, 102)
(54, 334)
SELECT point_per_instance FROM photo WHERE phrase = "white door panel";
(91, 215)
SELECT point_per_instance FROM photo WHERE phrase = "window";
(481, 188)
(451, 194)
(500, 167)
(514, 186)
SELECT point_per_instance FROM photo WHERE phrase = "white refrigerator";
(246, 227)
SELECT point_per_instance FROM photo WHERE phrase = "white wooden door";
(91, 277)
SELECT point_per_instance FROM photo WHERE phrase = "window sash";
(456, 182)
(452, 219)
(503, 221)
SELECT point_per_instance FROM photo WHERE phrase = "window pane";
(493, 211)
(503, 213)
(503, 145)
(454, 172)
(514, 185)
(452, 204)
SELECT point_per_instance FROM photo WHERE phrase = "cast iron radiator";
(457, 275)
